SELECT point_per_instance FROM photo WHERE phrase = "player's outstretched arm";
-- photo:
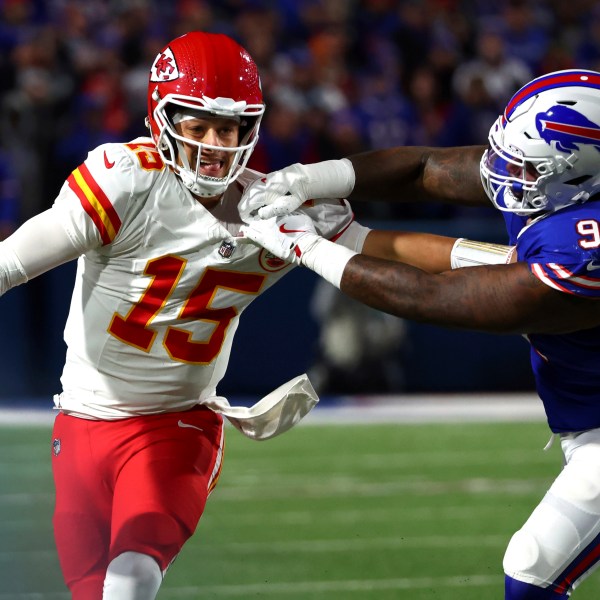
(402, 174)
(37, 246)
(496, 298)
(413, 173)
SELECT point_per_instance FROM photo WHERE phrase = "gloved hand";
(287, 237)
(286, 190)
(254, 196)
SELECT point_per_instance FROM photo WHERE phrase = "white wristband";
(325, 258)
(467, 253)
(330, 179)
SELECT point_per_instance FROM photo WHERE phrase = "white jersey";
(161, 282)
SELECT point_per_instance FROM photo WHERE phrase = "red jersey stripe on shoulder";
(588, 283)
(95, 202)
(538, 271)
(89, 209)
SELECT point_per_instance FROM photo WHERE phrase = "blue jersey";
(562, 249)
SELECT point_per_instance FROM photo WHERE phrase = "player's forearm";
(496, 299)
(476, 298)
(411, 173)
(479, 298)
(434, 253)
(429, 252)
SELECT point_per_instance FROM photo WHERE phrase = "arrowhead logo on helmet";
(164, 67)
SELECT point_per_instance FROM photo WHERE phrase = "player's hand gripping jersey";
(161, 282)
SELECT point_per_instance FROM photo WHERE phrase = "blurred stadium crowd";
(339, 76)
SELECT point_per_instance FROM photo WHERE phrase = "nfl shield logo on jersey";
(56, 447)
(227, 249)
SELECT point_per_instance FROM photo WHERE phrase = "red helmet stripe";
(560, 79)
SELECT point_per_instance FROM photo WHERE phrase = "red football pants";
(137, 484)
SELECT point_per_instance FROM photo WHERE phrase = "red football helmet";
(213, 74)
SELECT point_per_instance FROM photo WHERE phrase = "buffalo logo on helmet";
(568, 128)
(164, 67)
(56, 446)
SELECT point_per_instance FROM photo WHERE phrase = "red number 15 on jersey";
(135, 328)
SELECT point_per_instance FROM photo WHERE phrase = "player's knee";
(527, 570)
(519, 590)
(158, 535)
(132, 576)
(522, 554)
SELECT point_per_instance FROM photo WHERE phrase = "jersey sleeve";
(95, 197)
(563, 250)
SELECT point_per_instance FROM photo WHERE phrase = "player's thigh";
(161, 490)
(82, 510)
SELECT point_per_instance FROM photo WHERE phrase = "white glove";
(286, 190)
(293, 238)
(252, 199)
(286, 237)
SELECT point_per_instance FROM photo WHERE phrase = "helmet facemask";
(515, 183)
(170, 144)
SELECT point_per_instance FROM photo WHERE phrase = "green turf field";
(323, 512)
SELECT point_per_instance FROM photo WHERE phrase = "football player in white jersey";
(162, 279)
(159, 289)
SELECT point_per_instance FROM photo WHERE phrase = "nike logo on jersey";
(592, 266)
(283, 229)
(107, 163)
(184, 425)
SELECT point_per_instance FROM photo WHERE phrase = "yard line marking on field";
(370, 515)
(26, 499)
(37, 596)
(255, 467)
(295, 588)
(354, 544)
(298, 517)
(49, 553)
(335, 487)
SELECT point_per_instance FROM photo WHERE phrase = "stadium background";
(339, 77)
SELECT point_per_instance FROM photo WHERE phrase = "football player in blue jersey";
(542, 170)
